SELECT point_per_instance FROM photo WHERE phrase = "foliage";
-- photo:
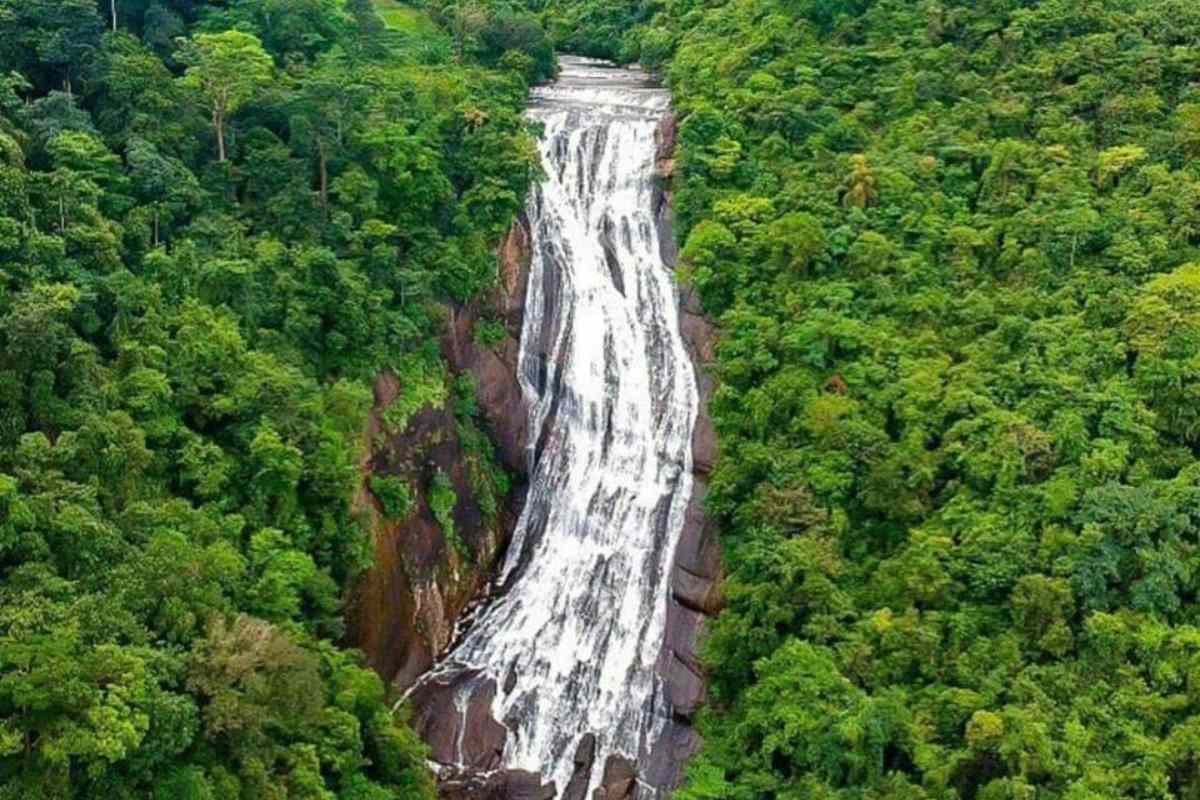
(599, 28)
(394, 494)
(188, 334)
(226, 69)
(495, 31)
(442, 501)
(489, 481)
(951, 246)
(420, 388)
(490, 333)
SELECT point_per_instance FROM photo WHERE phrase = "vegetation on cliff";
(218, 222)
(952, 247)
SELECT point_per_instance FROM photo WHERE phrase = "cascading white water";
(572, 640)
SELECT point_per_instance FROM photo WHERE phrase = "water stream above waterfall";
(569, 644)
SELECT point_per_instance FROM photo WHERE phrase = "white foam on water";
(572, 641)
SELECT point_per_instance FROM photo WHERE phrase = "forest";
(218, 222)
(953, 250)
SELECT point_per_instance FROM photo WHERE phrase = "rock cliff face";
(405, 611)
(696, 574)
(501, 403)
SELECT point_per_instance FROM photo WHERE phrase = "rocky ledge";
(696, 574)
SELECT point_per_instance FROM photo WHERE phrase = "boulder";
(454, 717)
(505, 785)
(585, 757)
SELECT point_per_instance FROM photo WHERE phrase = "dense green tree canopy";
(218, 223)
(952, 246)
(954, 250)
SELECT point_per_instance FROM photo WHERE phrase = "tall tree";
(331, 97)
(227, 70)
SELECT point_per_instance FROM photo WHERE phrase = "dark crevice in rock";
(610, 256)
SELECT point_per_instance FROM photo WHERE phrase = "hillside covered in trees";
(952, 247)
(218, 222)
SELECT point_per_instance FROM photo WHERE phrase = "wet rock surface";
(585, 757)
(508, 785)
(403, 612)
(696, 571)
(619, 781)
(465, 735)
(494, 366)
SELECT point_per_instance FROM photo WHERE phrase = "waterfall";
(570, 642)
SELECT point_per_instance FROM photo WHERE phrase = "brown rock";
(700, 338)
(665, 137)
(700, 335)
(519, 785)
(403, 611)
(695, 578)
(506, 785)
(683, 676)
(665, 763)
(501, 401)
(620, 779)
(516, 254)
(661, 201)
(704, 442)
(585, 757)
(457, 732)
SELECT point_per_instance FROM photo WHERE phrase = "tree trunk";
(219, 127)
(155, 226)
(324, 165)
(113, 5)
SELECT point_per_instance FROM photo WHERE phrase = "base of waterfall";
(467, 743)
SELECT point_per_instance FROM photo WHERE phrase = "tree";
(163, 184)
(61, 34)
(330, 99)
(227, 70)
(288, 28)
(185, 377)
(467, 20)
(861, 188)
